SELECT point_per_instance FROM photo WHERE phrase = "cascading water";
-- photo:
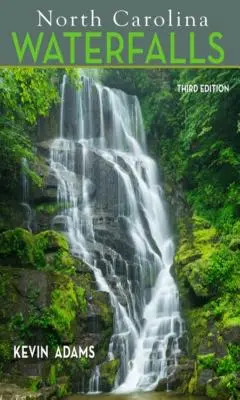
(116, 221)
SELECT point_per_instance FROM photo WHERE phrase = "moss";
(50, 208)
(231, 322)
(51, 240)
(62, 311)
(57, 319)
(205, 235)
(193, 381)
(207, 360)
(52, 375)
(32, 383)
(5, 354)
(226, 310)
(212, 392)
(81, 299)
(207, 271)
(197, 327)
(108, 371)
(199, 222)
(62, 390)
(63, 261)
(48, 241)
(105, 310)
(235, 244)
(83, 363)
(197, 278)
(186, 254)
(222, 388)
(16, 248)
(200, 243)
(20, 248)
(4, 282)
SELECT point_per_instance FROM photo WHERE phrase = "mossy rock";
(33, 383)
(63, 386)
(222, 388)
(19, 248)
(207, 360)
(48, 242)
(108, 372)
(186, 255)
(11, 213)
(16, 248)
(231, 331)
(12, 391)
(66, 301)
(51, 241)
(200, 223)
(50, 209)
(199, 243)
(207, 271)
(197, 325)
(60, 261)
(197, 278)
(102, 301)
(50, 304)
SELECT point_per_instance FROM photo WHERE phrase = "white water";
(94, 383)
(116, 221)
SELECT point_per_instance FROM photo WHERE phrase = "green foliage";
(14, 146)
(16, 248)
(207, 360)
(223, 271)
(210, 143)
(51, 208)
(81, 298)
(84, 363)
(226, 365)
(27, 93)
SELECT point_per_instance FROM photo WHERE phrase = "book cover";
(119, 200)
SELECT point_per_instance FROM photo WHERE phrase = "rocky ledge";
(49, 297)
(207, 271)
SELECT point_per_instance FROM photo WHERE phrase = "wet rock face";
(232, 335)
(178, 378)
(48, 127)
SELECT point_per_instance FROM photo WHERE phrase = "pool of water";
(135, 396)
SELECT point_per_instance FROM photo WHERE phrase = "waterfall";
(94, 383)
(116, 221)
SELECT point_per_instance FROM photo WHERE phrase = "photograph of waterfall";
(119, 233)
